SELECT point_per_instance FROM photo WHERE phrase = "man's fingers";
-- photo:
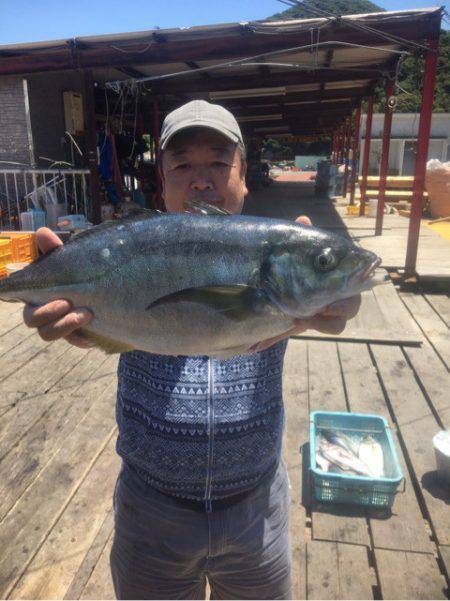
(328, 325)
(61, 328)
(348, 308)
(35, 317)
(47, 240)
(79, 341)
(304, 219)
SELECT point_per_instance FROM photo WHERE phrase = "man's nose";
(201, 180)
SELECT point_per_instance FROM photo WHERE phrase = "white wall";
(404, 131)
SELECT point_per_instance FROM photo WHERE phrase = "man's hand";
(56, 319)
(331, 320)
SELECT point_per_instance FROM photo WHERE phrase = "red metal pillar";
(334, 153)
(423, 140)
(355, 155)
(347, 153)
(388, 111)
(365, 163)
(341, 142)
(156, 142)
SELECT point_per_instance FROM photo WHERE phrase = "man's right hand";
(56, 319)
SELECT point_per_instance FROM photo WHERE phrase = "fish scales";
(193, 284)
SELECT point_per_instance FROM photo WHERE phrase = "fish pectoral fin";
(236, 302)
(205, 208)
(109, 345)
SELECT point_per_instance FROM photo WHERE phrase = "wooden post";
(365, 163)
(355, 155)
(91, 145)
(347, 153)
(423, 140)
(388, 111)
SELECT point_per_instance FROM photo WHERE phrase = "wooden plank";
(331, 522)
(338, 571)
(405, 395)
(445, 555)
(21, 353)
(405, 529)
(22, 465)
(434, 378)
(295, 394)
(27, 525)
(52, 569)
(418, 440)
(37, 375)
(430, 323)
(100, 585)
(12, 339)
(441, 304)
(20, 418)
(406, 575)
(325, 393)
(10, 316)
(382, 317)
(91, 558)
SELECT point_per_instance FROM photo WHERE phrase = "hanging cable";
(326, 14)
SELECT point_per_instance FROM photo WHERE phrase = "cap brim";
(198, 123)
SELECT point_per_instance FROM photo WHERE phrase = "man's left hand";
(331, 320)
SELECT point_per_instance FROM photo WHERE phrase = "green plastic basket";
(356, 490)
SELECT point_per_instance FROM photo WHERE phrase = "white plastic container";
(372, 205)
(32, 220)
(441, 443)
(13, 267)
(71, 222)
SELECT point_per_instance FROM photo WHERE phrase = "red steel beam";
(355, 155)
(347, 154)
(365, 163)
(388, 112)
(335, 148)
(423, 140)
(159, 202)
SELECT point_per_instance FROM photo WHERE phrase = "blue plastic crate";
(358, 490)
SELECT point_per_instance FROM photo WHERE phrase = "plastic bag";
(437, 183)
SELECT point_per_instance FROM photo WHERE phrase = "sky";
(39, 20)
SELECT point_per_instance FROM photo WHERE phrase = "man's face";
(202, 164)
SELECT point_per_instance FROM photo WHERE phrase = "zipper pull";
(208, 506)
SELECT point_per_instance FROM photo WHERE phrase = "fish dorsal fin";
(205, 208)
(136, 215)
(236, 302)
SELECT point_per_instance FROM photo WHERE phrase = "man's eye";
(182, 166)
(219, 164)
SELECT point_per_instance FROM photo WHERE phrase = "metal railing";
(23, 189)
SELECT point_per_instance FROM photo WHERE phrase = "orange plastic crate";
(6, 252)
(24, 246)
(3, 273)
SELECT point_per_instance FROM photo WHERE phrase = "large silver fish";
(186, 284)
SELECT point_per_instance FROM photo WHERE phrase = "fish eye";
(325, 260)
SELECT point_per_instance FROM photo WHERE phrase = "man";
(202, 492)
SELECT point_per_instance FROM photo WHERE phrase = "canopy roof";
(295, 77)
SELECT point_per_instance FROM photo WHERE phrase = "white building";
(402, 153)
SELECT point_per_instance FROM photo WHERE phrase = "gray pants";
(165, 550)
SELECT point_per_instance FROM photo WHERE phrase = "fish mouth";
(366, 275)
(369, 271)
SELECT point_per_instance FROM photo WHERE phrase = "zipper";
(208, 503)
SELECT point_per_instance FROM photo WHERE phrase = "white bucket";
(372, 207)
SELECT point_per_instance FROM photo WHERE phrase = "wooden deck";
(58, 464)
(291, 199)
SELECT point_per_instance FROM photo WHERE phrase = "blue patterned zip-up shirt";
(201, 428)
